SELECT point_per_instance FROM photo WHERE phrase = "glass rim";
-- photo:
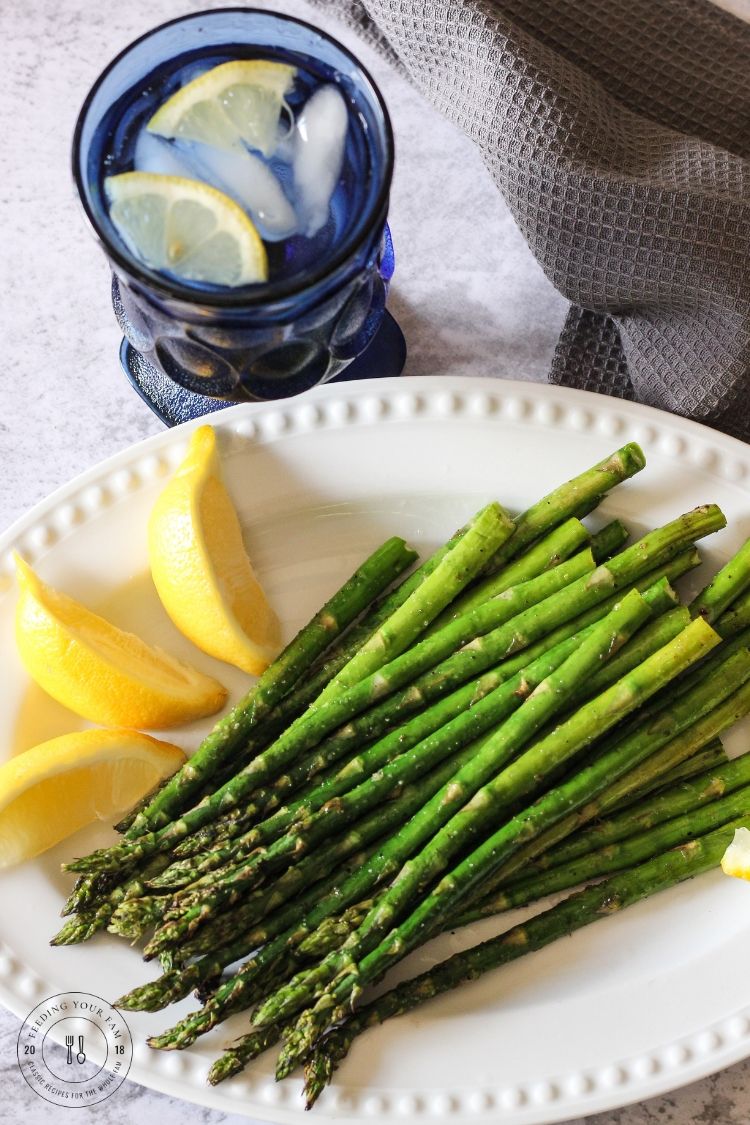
(248, 295)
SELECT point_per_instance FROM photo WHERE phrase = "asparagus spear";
(608, 540)
(490, 528)
(604, 899)
(241, 989)
(310, 728)
(232, 731)
(529, 565)
(460, 830)
(730, 705)
(411, 748)
(432, 685)
(501, 894)
(615, 856)
(441, 901)
(294, 702)
(233, 995)
(321, 670)
(434, 719)
(249, 1047)
(725, 587)
(644, 814)
(549, 552)
(710, 757)
(570, 498)
(736, 618)
(546, 553)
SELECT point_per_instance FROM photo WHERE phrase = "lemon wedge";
(234, 104)
(736, 859)
(200, 567)
(52, 790)
(184, 226)
(101, 672)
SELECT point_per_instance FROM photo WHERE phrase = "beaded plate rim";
(553, 1098)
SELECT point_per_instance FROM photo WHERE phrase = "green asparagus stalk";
(362, 765)
(291, 705)
(603, 841)
(415, 732)
(92, 919)
(569, 499)
(434, 685)
(547, 552)
(475, 809)
(307, 690)
(135, 916)
(613, 857)
(645, 814)
(709, 757)
(489, 530)
(558, 545)
(225, 743)
(728, 706)
(240, 989)
(590, 905)
(736, 618)
(608, 540)
(238, 1056)
(725, 587)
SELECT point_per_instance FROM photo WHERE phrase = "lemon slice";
(99, 671)
(200, 567)
(184, 226)
(54, 789)
(231, 105)
(736, 859)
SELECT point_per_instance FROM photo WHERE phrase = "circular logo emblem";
(74, 1049)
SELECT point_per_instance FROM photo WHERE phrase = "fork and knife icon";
(80, 1056)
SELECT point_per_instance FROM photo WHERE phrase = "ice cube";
(154, 154)
(251, 183)
(318, 155)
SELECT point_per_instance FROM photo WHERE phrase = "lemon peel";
(101, 672)
(59, 786)
(200, 568)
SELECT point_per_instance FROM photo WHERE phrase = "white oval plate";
(625, 1009)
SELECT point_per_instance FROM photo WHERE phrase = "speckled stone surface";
(468, 294)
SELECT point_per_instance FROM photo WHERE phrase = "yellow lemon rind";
(62, 763)
(230, 217)
(101, 672)
(191, 589)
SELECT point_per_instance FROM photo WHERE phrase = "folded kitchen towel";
(618, 132)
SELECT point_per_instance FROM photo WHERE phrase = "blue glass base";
(385, 356)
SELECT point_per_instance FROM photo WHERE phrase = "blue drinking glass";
(275, 338)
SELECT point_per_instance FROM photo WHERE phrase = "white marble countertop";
(468, 294)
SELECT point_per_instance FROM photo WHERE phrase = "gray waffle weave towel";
(619, 135)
